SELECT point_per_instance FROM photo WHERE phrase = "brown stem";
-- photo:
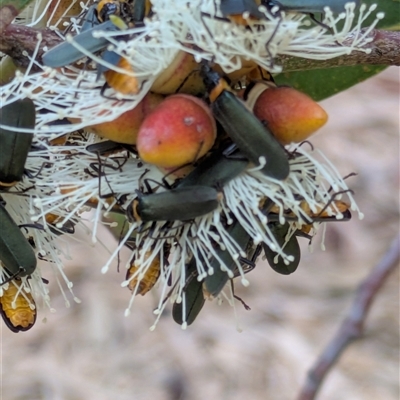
(352, 326)
(18, 38)
(384, 51)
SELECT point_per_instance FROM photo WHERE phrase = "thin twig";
(352, 326)
(384, 51)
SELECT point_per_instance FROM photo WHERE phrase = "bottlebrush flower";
(65, 180)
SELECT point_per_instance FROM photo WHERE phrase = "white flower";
(64, 180)
(180, 25)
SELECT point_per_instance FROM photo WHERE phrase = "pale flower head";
(67, 180)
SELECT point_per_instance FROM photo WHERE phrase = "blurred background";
(91, 351)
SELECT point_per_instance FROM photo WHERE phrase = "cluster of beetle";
(16, 253)
(249, 141)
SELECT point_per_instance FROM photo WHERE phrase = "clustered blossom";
(66, 180)
(178, 25)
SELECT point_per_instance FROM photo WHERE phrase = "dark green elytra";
(308, 6)
(105, 148)
(238, 7)
(192, 297)
(110, 57)
(213, 284)
(215, 171)
(139, 11)
(15, 146)
(250, 135)
(16, 253)
(292, 248)
(252, 138)
(178, 204)
(90, 19)
(65, 53)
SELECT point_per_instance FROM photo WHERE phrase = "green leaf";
(391, 8)
(18, 4)
(323, 83)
